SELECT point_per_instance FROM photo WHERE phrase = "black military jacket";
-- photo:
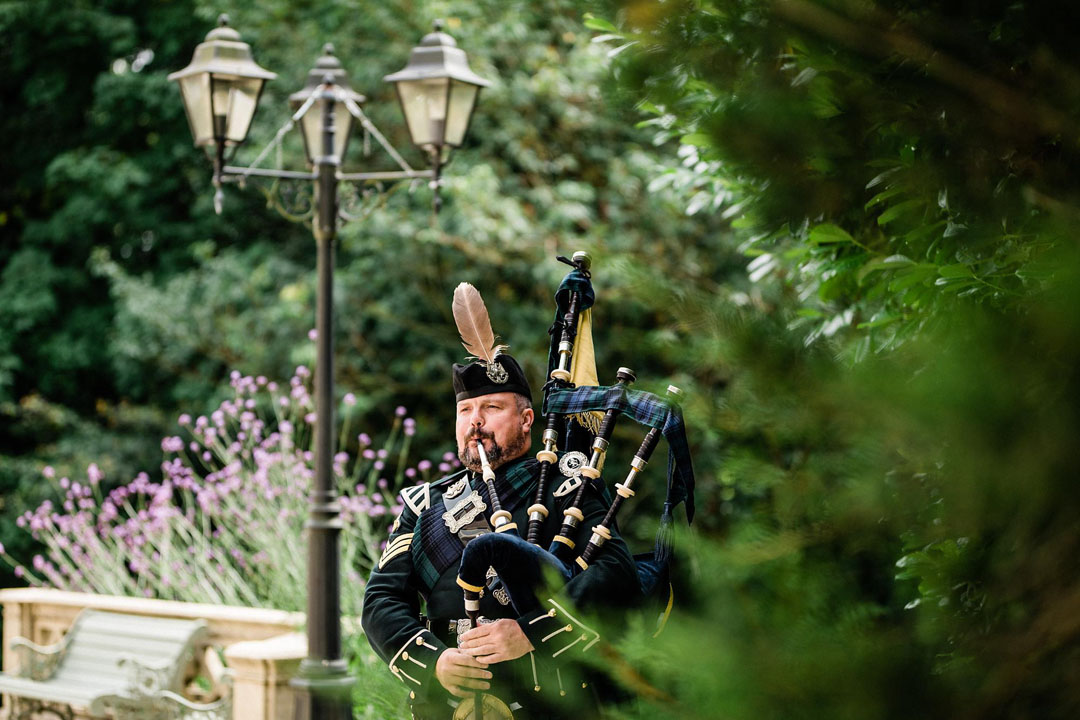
(418, 570)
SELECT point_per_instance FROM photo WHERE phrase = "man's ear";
(527, 417)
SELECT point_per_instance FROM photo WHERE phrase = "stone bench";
(261, 647)
(110, 665)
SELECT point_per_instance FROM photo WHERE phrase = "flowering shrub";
(225, 522)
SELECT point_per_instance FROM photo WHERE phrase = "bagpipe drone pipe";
(582, 415)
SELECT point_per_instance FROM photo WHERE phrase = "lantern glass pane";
(311, 127)
(343, 120)
(462, 100)
(243, 94)
(195, 90)
(424, 104)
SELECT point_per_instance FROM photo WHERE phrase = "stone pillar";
(261, 673)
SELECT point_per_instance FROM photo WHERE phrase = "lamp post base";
(323, 690)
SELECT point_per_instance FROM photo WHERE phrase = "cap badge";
(496, 372)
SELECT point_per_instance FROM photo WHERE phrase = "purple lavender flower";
(444, 467)
(364, 439)
(39, 563)
(349, 399)
(423, 465)
(410, 473)
(184, 419)
(379, 465)
(400, 411)
(449, 456)
(312, 334)
(310, 418)
(369, 454)
(172, 444)
(48, 472)
(19, 571)
(302, 371)
(1, 548)
(272, 386)
(382, 483)
(65, 483)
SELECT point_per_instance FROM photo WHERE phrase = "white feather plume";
(474, 325)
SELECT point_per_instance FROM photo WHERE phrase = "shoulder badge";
(456, 489)
(417, 498)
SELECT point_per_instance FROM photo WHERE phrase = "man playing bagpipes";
(493, 644)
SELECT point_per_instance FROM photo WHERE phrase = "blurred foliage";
(842, 226)
(895, 434)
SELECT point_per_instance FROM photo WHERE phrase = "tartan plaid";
(647, 409)
(575, 281)
(435, 548)
(423, 550)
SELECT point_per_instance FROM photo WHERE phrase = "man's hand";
(460, 672)
(496, 642)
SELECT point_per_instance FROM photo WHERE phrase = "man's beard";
(497, 454)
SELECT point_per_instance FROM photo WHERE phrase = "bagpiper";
(492, 657)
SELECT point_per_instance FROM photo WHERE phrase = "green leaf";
(827, 233)
(879, 320)
(899, 210)
(888, 263)
(911, 276)
(594, 23)
(959, 270)
(697, 140)
(883, 196)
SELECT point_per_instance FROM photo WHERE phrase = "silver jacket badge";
(572, 462)
(464, 512)
(456, 489)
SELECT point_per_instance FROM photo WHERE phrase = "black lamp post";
(220, 89)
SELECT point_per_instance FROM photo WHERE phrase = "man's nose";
(476, 419)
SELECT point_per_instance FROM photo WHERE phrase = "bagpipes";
(582, 414)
